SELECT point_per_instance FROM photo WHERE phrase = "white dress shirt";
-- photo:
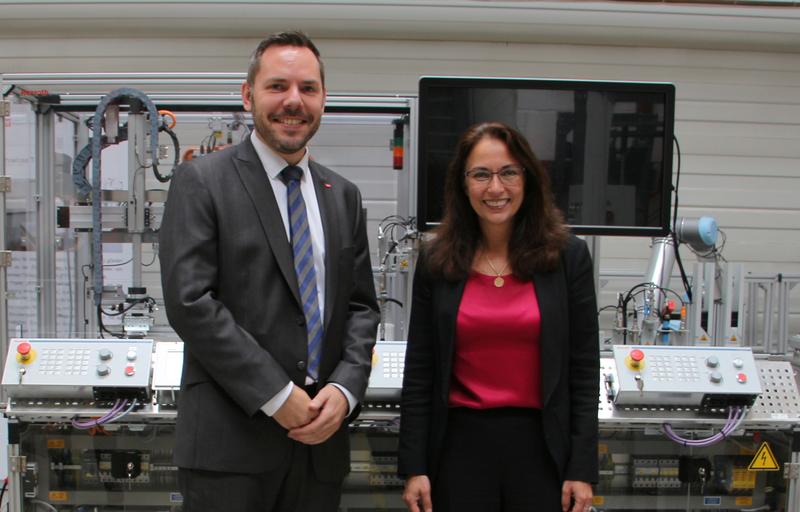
(273, 165)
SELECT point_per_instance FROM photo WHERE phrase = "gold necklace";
(498, 280)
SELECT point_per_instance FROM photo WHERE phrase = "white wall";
(737, 78)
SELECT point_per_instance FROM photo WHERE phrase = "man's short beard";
(268, 136)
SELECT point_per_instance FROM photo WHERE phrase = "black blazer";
(231, 294)
(570, 367)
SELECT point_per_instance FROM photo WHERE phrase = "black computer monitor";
(606, 145)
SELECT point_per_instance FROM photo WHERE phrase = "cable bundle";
(117, 412)
(735, 417)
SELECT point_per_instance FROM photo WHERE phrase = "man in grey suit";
(267, 279)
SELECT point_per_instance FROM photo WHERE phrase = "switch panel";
(705, 377)
(99, 369)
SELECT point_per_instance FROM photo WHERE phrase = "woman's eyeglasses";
(507, 175)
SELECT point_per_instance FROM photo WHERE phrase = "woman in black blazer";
(499, 404)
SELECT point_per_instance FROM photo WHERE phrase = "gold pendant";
(499, 282)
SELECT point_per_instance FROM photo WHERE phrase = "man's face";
(287, 99)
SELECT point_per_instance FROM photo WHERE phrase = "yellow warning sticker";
(764, 460)
(58, 496)
(56, 443)
(744, 501)
(598, 501)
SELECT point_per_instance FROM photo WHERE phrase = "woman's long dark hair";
(538, 233)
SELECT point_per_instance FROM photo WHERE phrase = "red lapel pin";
(327, 185)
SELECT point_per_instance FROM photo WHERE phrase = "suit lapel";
(551, 295)
(449, 296)
(254, 178)
(330, 227)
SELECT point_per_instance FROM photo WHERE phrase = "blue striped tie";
(304, 265)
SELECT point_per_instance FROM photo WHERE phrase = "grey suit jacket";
(231, 294)
(570, 369)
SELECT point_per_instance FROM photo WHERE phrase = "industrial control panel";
(388, 364)
(98, 369)
(705, 377)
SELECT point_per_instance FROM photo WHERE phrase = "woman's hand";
(418, 491)
(580, 491)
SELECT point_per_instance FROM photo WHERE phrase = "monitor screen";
(607, 146)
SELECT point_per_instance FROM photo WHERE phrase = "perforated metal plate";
(779, 398)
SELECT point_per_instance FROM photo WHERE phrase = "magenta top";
(496, 362)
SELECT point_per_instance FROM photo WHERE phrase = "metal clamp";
(5, 108)
(5, 259)
(791, 470)
(17, 463)
(5, 184)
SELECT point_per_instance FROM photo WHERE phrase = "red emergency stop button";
(24, 351)
(634, 359)
(741, 378)
(130, 371)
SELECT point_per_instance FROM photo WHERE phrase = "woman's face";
(496, 196)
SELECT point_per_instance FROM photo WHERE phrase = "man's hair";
(538, 234)
(293, 38)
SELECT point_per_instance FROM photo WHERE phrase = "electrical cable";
(670, 434)
(123, 413)
(155, 256)
(116, 264)
(632, 292)
(3, 490)
(664, 291)
(167, 113)
(151, 302)
(43, 504)
(102, 326)
(116, 96)
(388, 229)
(735, 417)
(684, 278)
(714, 252)
(118, 406)
(175, 144)
(133, 303)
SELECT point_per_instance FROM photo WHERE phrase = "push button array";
(685, 368)
(64, 361)
(675, 368)
(393, 365)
